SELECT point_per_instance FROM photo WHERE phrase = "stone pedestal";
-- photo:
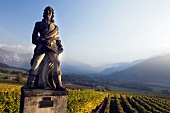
(43, 101)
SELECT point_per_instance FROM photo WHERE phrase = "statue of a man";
(48, 46)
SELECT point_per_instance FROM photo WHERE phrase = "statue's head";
(49, 14)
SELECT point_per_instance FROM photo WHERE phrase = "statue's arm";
(35, 34)
(58, 42)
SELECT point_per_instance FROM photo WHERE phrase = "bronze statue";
(45, 64)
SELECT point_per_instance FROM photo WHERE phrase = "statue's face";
(49, 14)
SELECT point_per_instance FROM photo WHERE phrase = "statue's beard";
(47, 19)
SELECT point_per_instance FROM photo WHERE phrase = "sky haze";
(95, 32)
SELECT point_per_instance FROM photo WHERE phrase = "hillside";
(12, 58)
(120, 67)
(155, 70)
(72, 66)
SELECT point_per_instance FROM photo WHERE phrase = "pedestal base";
(43, 101)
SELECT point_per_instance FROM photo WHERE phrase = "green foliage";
(98, 89)
(107, 88)
(119, 106)
(127, 106)
(19, 78)
(13, 71)
(86, 101)
(9, 98)
(107, 107)
(78, 101)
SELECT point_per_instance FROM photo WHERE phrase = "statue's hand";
(48, 42)
(60, 50)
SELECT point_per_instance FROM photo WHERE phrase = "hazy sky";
(92, 31)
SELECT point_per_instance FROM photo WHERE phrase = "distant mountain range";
(76, 67)
(12, 58)
(68, 65)
(21, 60)
(153, 70)
(120, 66)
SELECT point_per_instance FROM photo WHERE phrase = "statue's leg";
(44, 72)
(34, 70)
(56, 71)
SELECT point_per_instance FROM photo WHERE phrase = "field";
(78, 101)
(87, 101)
(136, 103)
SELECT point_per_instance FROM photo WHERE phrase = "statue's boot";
(57, 81)
(29, 82)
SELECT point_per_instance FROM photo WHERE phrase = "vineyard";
(90, 101)
(123, 103)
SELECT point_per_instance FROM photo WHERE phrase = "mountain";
(120, 66)
(110, 65)
(12, 58)
(155, 70)
(73, 66)
(21, 60)
(4, 65)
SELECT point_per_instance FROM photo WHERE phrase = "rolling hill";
(120, 67)
(155, 70)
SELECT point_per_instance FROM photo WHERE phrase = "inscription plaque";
(46, 102)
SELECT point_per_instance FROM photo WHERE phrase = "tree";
(107, 88)
(19, 78)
